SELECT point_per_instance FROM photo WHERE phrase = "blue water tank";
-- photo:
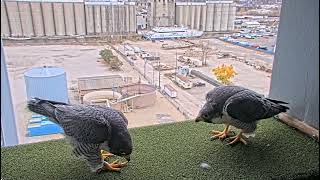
(47, 82)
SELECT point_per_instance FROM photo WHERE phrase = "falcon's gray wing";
(85, 123)
(119, 112)
(248, 106)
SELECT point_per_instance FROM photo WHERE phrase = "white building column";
(9, 135)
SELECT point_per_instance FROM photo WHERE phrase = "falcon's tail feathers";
(283, 108)
(44, 107)
(277, 101)
(277, 105)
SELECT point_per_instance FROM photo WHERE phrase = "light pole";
(176, 71)
(159, 72)
(144, 68)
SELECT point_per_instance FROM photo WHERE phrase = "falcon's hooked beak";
(127, 157)
(199, 118)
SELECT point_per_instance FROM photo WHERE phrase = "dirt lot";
(77, 61)
(247, 75)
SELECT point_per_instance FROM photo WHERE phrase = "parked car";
(199, 84)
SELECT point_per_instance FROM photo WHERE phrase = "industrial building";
(205, 15)
(46, 18)
(162, 13)
(49, 18)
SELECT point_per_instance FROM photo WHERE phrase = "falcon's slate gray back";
(239, 107)
(90, 128)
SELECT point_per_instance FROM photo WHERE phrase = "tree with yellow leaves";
(224, 73)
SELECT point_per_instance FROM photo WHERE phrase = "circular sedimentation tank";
(101, 97)
(144, 95)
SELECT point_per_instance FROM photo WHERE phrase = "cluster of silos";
(34, 18)
(206, 16)
(162, 12)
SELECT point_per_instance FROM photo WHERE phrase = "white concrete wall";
(26, 19)
(48, 19)
(295, 75)
(5, 30)
(80, 19)
(37, 19)
(89, 20)
(69, 19)
(104, 20)
(59, 16)
(14, 19)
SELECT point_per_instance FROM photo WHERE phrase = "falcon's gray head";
(210, 113)
(121, 144)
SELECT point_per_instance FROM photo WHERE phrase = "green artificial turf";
(175, 151)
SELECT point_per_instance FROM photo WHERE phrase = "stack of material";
(40, 125)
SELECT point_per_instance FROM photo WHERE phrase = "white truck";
(170, 91)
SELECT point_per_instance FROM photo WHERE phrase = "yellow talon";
(238, 138)
(221, 135)
(106, 154)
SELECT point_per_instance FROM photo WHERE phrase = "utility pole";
(153, 76)
(159, 71)
(175, 77)
(144, 68)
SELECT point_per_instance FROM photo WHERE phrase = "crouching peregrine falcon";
(91, 129)
(238, 107)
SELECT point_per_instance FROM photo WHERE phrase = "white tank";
(47, 82)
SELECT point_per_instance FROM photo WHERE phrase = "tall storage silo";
(47, 82)
(217, 16)
(224, 17)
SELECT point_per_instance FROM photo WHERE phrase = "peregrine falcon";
(238, 107)
(91, 130)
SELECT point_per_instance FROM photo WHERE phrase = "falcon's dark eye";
(206, 116)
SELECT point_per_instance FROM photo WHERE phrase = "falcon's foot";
(221, 135)
(237, 138)
(106, 154)
(114, 166)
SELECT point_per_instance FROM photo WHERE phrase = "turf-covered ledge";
(175, 151)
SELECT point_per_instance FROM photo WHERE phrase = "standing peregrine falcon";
(91, 130)
(238, 107)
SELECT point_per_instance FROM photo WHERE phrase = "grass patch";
(175, 151)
